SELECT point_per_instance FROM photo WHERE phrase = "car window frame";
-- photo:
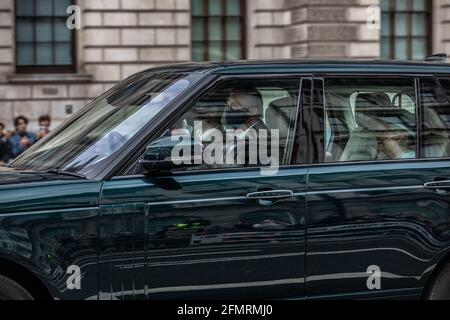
(185, 106)
(413, 76)
(438, 81)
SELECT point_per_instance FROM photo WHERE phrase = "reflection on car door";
(208, 240)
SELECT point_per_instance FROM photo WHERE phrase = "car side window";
(240, 123)
(370, 119)
(436, 118)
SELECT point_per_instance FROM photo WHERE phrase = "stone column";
(331, 29)
(266, 24)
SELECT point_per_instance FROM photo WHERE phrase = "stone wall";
(441, 26)
(331, 29)
(267, 21)
(7, 62)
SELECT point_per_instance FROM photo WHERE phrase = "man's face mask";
(239, 109)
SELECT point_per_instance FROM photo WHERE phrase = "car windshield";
(103, 127)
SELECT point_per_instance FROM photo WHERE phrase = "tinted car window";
(436, 119)
(101, 129)
(370, 119)
(239, 123)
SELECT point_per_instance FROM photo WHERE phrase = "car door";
(217, 230)
(375, 225)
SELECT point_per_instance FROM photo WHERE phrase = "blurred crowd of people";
(13, 143)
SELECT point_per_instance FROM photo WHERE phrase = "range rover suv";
(258, 179)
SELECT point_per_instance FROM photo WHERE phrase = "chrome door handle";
(271, 195)
(438, 185)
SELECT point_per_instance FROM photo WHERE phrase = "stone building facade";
(120, 37)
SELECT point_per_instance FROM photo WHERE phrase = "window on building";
(405, 29)
(217, 30)
(43, 41)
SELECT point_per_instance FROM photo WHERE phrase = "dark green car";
(247, 180)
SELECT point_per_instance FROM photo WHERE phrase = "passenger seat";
(362, 144)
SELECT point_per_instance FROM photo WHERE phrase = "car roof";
(307, 66)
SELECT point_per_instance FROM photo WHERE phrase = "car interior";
(278, 107)
(360, 120)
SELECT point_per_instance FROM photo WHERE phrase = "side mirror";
(172, 152)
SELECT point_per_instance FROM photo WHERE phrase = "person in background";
(21, 140)
(5, 146)
(44, 126)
